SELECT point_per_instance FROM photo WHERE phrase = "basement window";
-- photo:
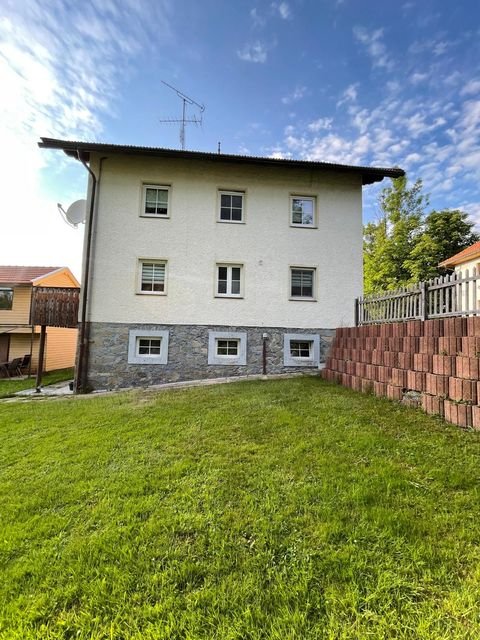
(147, 346)
(227, 347)
(301, 350)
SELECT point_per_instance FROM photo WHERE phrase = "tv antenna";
(184, 120)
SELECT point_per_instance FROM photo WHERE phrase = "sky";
(365, 82)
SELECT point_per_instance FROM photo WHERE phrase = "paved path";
(62, 389)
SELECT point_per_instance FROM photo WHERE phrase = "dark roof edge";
(78, 149)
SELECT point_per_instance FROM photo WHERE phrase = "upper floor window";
(155, 201)
(302, 282)
(231, 206)
(302, 211)
(6, 298)
(152, 276)
(229, 280)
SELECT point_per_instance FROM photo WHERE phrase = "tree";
(389, 242)
(405, 245)
(445, 234)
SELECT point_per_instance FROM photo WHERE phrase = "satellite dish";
(76, 212)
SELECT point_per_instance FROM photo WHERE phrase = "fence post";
(356, 312)
(423, 301)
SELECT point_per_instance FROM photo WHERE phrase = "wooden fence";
(55, 306)
(457, 294)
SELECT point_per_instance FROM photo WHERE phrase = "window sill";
(293, 299)
(300, 363)
(154, 215)
(151, 293)
(226, 295)
(303, 226)
(230, 221)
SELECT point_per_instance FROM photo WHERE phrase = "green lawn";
(8, 387)
(287, 509)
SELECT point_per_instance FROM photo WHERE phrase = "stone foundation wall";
(108, 366)
(433, 364)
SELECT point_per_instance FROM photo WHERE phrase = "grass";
(9, 386)
(287, 509)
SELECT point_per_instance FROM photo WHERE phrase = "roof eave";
(82, 151)
(451, 262)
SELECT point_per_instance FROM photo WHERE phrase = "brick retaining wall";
(434, 364)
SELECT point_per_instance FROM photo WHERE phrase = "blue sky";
(354, 81)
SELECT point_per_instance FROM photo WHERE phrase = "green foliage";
(405, 245)
(266, 510)
(445, 233)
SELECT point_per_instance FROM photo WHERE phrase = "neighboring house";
(205, 265)
(466, 264)
(467, 259)
(17, 336)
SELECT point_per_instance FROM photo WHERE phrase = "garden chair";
(25, 362)
(13, 367)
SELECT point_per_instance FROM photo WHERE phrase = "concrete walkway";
(62, 389)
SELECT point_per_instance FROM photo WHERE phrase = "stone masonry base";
(108, 366)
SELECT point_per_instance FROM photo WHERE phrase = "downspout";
(264, 353)
(81, 370)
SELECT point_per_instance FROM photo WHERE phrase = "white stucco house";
(466, 265)
(203, 265)
(466, 260)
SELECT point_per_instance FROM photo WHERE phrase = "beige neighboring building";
(17, 336)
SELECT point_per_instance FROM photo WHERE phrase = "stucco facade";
(192, 241)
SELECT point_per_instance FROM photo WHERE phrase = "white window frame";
(233, 192)
(229, 267)
(141, 262)
(311, 298)
(291, 361)
(135, 335)
(163, 187)
(313, 199)
(239, 359)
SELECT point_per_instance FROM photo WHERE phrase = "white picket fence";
(456, 294)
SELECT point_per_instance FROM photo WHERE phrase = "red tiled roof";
(462, 256)
(23, 275)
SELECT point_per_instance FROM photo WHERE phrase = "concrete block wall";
(433, 364)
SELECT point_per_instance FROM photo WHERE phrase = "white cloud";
(253, 52)
(440, 47)
(472, 87)
(297, 94)
(418, 78)
(257, 19)
(376, 49)
(283, 9)
(58, 82)
(349, 95)
(319, 124)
